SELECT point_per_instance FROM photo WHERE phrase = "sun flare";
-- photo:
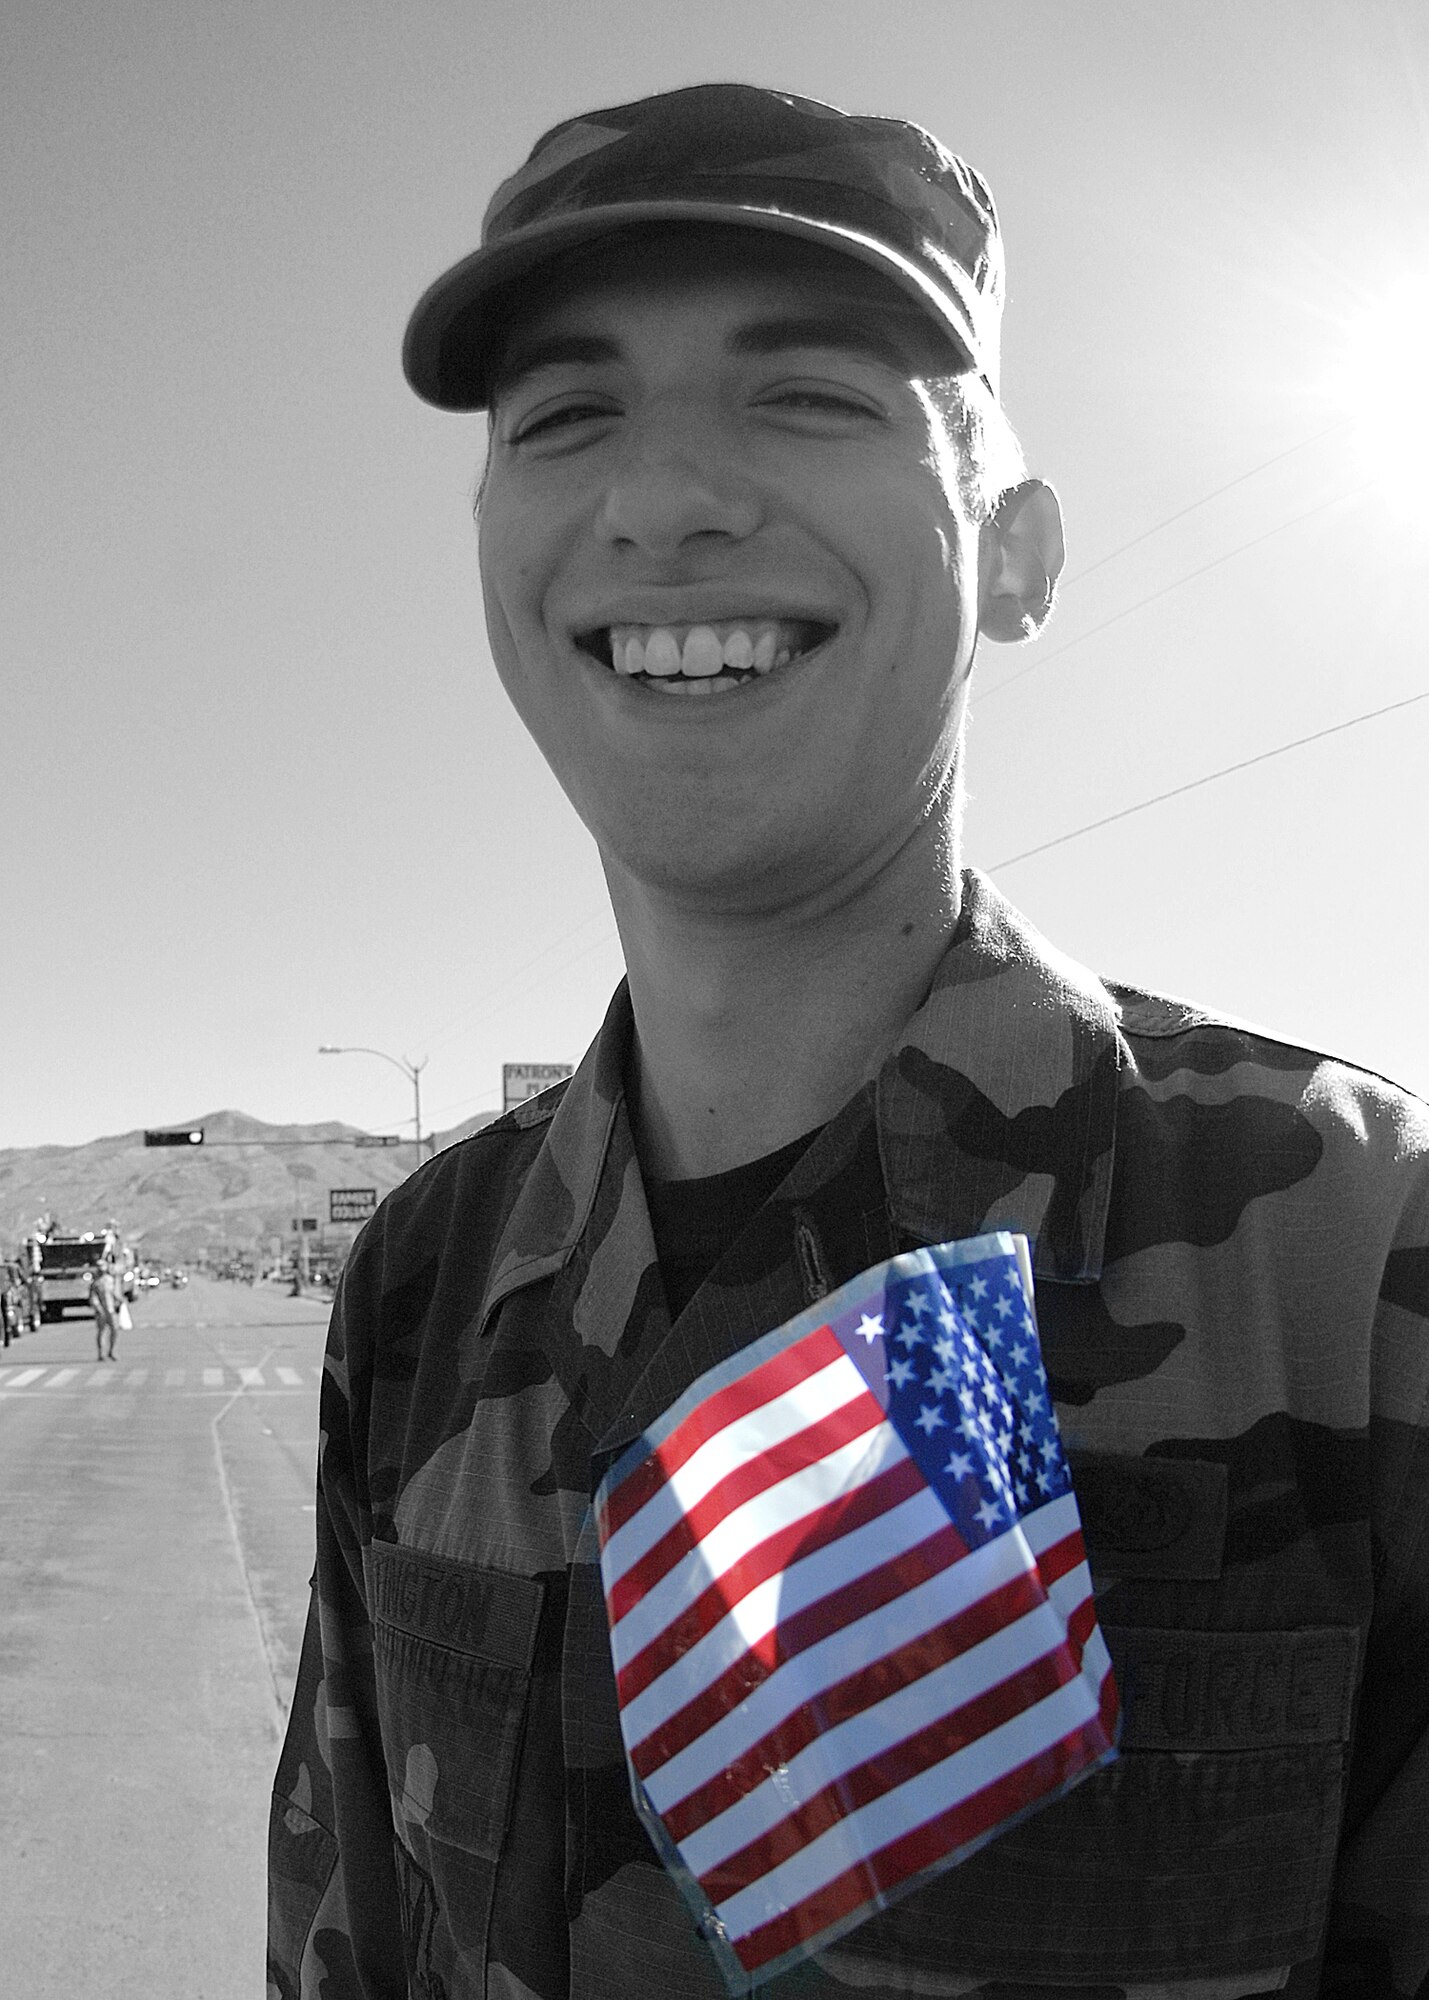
(1382, 384)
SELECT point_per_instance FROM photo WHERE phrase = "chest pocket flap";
(453, 1646)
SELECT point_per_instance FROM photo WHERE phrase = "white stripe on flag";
(883, 1820)
(731, 1447)
(829, 1660)
(1046, 1526)
(875, 1731)
(803, 1494)
(806, 1583)
(763, 1707)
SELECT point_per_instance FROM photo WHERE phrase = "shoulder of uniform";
(473, 1180)
(1159, 1016)
(1167, 1033)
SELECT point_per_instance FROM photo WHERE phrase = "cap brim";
(447, 350)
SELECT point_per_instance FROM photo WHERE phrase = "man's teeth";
(698, 652)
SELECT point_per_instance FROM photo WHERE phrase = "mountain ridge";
(236, 1192)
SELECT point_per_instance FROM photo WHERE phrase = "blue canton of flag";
(850, 1614)
(966, 1390)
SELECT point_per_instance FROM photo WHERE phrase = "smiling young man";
(749, 502)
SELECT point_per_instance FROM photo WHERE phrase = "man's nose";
(675, 486)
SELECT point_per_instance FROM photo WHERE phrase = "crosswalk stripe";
(174, 1378)
(318, 1371)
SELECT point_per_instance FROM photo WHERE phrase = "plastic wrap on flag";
(851, 1619)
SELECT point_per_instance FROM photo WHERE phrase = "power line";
(574, 959)
(1176, 791)
(1043, 659)
(1205, 500)
(463, 1018)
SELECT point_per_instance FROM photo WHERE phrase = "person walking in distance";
(104, 1303)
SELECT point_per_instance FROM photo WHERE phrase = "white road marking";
(26, 1376)
(98, 1379)
(174, 1378)
(291, 1376)
(251, 1378)
(60, 1377)
(4, 1372)
(213, 1378)
(135, 1376)
(318, 1371)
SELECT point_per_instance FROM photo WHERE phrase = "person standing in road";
(104, 1303)
(750, 506)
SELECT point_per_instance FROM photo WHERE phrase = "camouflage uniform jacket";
(1232, 1259)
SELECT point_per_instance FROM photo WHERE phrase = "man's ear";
(1020, 557)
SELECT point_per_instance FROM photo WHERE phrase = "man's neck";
(752, 1030)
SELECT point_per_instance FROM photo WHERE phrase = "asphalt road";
(156, 1526)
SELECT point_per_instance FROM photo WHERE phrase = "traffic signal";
(192, 1137)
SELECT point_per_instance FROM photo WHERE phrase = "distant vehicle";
(178, 1278)
(64, 1261)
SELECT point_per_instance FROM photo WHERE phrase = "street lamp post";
(412, 1071)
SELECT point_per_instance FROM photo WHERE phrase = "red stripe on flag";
(922, 1847)
(1062, 1557)
(841, 1517)
(870, 1592)
(1110, 1705)
(823, 1524)
(1081, 1623)
(775, 1463)
(783, 1371)
(802, 1629)
(849, 1697)
(892, 1767)
(851, 1601)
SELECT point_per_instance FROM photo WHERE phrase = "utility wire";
(574, 959)
(1205, 500)
(1109, 819)
(1044, 659)
(1176, 791)
(464, 1017)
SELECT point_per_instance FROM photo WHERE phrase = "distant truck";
(63, 1263)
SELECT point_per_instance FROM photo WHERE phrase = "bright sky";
(261, 787)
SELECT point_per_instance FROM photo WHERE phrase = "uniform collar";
(996, 1110)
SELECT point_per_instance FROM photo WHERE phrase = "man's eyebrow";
(859, 333)
(552, 350)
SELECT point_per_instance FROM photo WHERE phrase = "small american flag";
(850, 1612)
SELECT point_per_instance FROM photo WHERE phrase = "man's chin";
(724, 866)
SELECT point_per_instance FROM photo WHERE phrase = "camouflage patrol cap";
(878, 189)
